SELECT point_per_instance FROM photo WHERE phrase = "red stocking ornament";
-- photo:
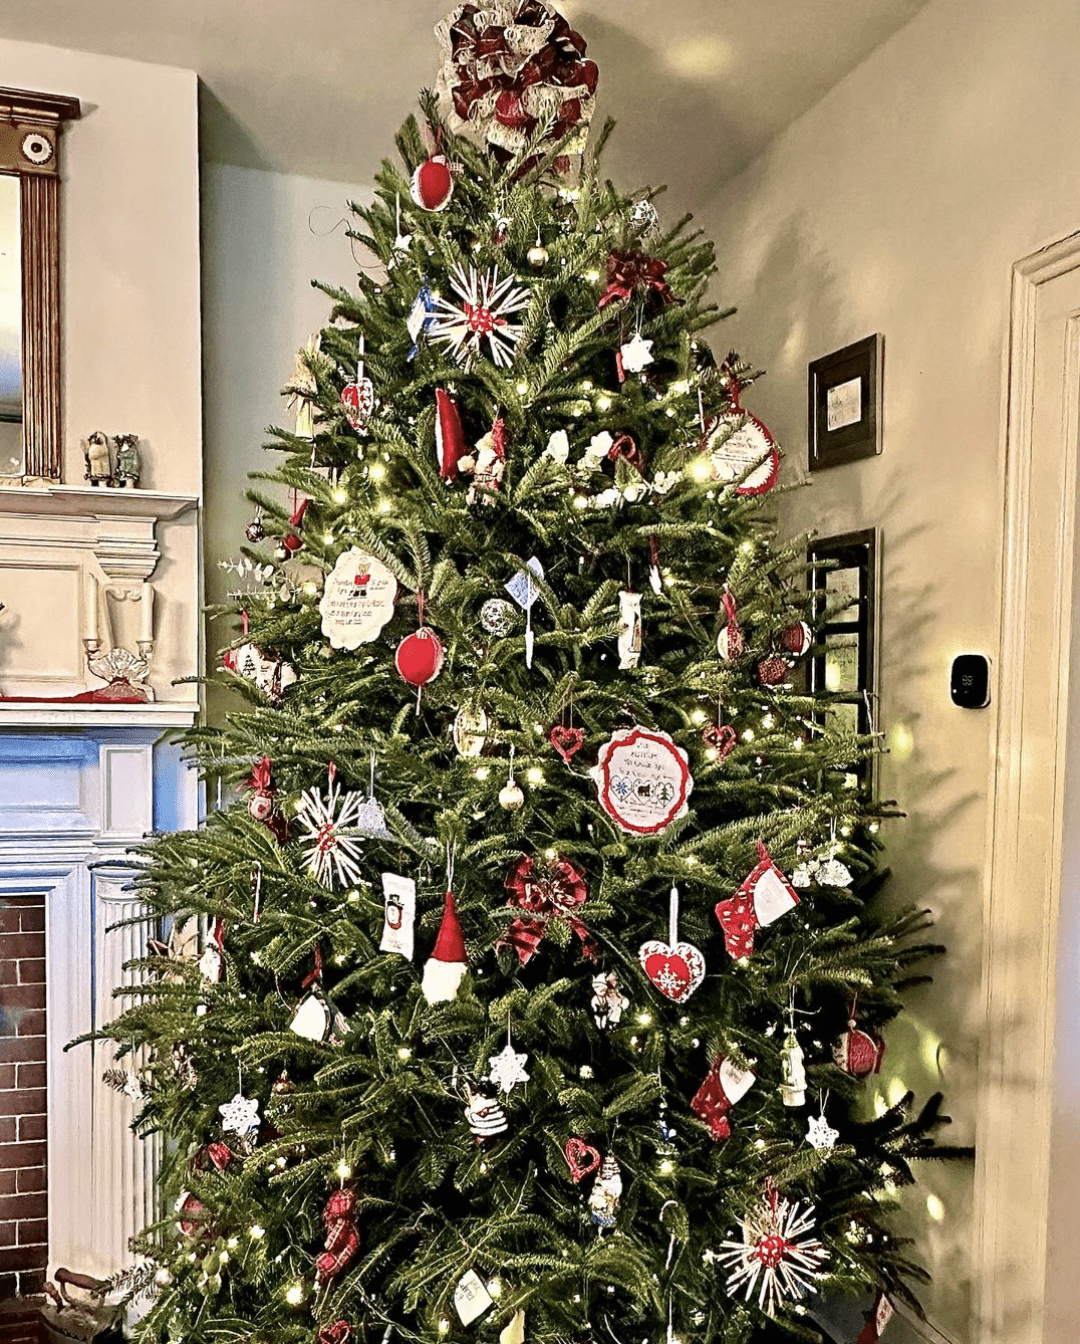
(763, 897)
(724, 1085)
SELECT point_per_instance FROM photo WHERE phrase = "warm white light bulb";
(295, 1295)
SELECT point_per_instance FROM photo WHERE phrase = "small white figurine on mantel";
(128, 460)
(98, 463)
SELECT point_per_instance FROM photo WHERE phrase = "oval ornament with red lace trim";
(742, 452)
(642, 780)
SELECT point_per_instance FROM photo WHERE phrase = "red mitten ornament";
(342, 1237)
(763, 897)
(856, 1051)
(449, 436)
(432, 184)
(724, 1085)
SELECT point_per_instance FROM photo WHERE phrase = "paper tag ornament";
(471, 1298)
(642, 780)
(629, 630)
(762, 898)
(399, 916)
(358, 599)
(725, 1084)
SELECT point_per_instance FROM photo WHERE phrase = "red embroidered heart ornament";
(567, 741)
(581, 1157)
(721, 737)
(675, 971)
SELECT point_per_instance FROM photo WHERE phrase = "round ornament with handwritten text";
(358, 599)
(642, 780)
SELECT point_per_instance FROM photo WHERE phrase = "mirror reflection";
(11, 383)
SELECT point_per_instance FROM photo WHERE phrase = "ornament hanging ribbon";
(342, 1237)
(625, 447)
(556, 892)
(508, 76)
(629, 272)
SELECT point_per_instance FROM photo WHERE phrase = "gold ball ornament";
(511, 796)
(537, 256)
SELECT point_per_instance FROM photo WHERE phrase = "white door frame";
(1026, 816)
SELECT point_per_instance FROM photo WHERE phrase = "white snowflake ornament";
(776, 1259)
(240, 1116)
(329, 824)
(636, 354)
(820, 1134)
(508, 1067)
(482, 309)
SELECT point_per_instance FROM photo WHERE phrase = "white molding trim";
(1024, 845)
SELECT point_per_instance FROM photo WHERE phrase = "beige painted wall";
(130, 292)
(898, 205)
(266, 236)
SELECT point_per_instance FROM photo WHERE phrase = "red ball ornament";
(797, 639)
(772, 671)
(419, 657)
(433, 184)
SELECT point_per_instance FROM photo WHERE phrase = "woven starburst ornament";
(481, 310)
(329, 823)
(776, 1259)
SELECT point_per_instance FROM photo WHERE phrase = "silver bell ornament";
(510, 795)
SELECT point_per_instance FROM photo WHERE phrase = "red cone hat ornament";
(291, 541)
(449, 960)
(432, 183)
(449, 436)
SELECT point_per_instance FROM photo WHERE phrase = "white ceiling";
(318, 87)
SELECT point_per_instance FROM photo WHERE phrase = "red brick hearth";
(23, 1208)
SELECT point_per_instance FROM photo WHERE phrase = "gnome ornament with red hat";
(444, 969)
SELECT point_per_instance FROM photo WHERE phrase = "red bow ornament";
(724, 1085)
(340, 1332)
(342, 1237)
(556, 891)
(629, 272)
(512, 66)
(262, 805)
(762, 898)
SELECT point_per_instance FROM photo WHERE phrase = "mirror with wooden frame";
(30, 345)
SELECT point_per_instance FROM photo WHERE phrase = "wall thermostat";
(969, 685)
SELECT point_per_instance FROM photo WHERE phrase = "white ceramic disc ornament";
(470, 730)
(642, 780)
(737, 442)
(358, 599)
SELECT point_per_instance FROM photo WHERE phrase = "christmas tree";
(540, 965)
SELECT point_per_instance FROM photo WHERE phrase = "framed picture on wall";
(843, 578)
(844, 413)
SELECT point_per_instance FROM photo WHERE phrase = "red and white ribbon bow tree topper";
(762, 898)
(630, 273)
(724, 1085)
(555, 890)
(510, 66)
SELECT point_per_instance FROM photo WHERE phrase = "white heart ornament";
(675, 971)
(736, 1082)
(773, 897)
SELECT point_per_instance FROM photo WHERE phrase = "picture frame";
(844, 416)
(842, 575)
